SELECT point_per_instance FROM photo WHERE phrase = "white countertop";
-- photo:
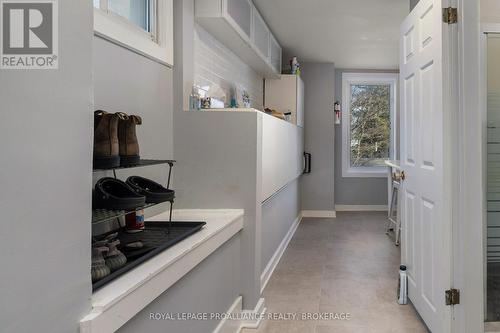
(117, 302)
(239, 110)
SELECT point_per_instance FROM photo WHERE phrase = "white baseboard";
(361, 208)
(235, 326)
(319, 213)
(257, 314)
(231, 326)
(275, 259)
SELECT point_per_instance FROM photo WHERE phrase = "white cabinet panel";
(300, 102)
(240, 27)
(282, 154)
(241, 12)
(286, 94)
(275, 54)
(261, 34)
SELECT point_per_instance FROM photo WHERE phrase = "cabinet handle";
(307, 163)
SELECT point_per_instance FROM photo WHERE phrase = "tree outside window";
(368, 131)
(370, 124)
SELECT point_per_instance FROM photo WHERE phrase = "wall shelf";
(142, 163)
(101, 215)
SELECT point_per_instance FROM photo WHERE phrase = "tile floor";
(342, 265)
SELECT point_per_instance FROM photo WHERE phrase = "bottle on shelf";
(194, 100)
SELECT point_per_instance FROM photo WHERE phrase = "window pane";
(370, 124)
(136, 11)
(96, 3)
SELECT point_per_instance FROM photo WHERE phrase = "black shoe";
(154, 192)
(113, 193)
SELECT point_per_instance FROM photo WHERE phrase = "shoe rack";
(105, 215)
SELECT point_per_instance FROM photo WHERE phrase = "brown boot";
(106, 151)
(129, 147)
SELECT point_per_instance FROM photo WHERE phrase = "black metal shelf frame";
(104, 215)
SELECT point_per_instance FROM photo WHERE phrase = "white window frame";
(157, 45)
(349, 79)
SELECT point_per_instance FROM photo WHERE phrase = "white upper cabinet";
(275, 54)
(239, 26)
(286, 94)
(261, 36)
(240, 11)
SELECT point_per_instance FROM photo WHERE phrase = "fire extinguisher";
(336, 108)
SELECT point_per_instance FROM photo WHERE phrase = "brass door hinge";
(450, 15)
(452, 296)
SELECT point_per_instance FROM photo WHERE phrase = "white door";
(426, 196)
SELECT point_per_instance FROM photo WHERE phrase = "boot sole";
(106, 162)
(129, 160)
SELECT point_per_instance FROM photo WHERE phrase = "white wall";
(214, 63)
(490, 11)
(45, 181)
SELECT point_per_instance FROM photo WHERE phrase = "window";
(368, 123)
(144, 26)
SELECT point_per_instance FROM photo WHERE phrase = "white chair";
(394, 220)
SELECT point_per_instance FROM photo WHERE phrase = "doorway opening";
(493, 178)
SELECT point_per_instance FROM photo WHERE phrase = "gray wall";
(354, 191)
(206, 289)
(128, 82)
(278, 214)
(45, 177)
(413, 3)
(319, 130)
(218, 155)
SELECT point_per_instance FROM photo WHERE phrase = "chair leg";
(398, 224)
(390, 221)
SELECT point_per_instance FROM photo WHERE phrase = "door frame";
(469, 207)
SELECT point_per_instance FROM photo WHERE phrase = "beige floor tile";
(342, 265)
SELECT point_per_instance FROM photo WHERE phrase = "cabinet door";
(261, 34)
(300, 102)
(275, 54)
(240, 11)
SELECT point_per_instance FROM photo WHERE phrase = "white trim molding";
(257, 314)
(227, 325)
(319, 213)
(361, 208)
(235, 326)
(348, 79)
(271, 265)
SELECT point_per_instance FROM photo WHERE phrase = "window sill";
(370, 173)
(117, 31)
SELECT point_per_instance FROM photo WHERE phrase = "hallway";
(342, 265)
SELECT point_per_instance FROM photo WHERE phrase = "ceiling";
(354, 34)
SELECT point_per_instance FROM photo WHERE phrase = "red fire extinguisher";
(336, 108)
